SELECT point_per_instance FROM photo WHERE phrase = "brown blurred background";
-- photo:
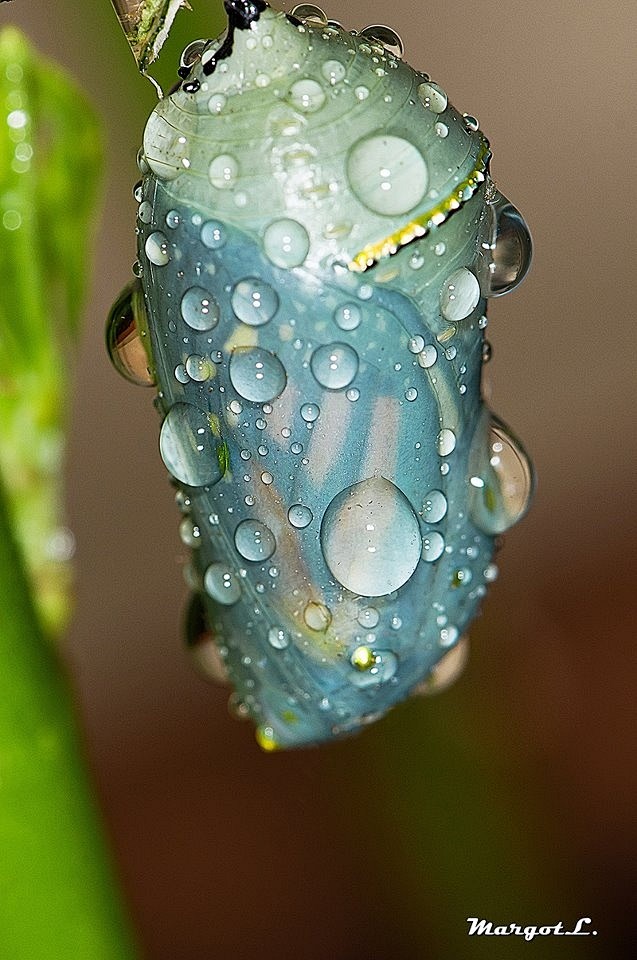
(511, 796)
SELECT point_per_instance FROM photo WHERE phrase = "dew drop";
(334, 365)
(449, 635)
(199, 368)
(348, 316)
(223, 171)
(361, 92)
(254, 302)
(317, 616)
(300, 516)
(460, 295)
(434, 506)
(427, 357)
(416, 344)
(173, 219)
(509, 258)
(502, 481)
(370, 537)
(387, 174)
(199, 309)
(145, 212)
(368, 617)
(442, 130)
(212, 235)
(156, 248)
(308, 96)
(189, 447)
(353, 394)
(433, 545)
(257, 374)
(446, 442)
(217, 102)
(382, 668)
(432, 97)
(201, 643)
(127, 337)
(286, 243)
(411, 394)
(310, 412)
(254, 540)
(278, 638)
(222, 585)
(333, 71)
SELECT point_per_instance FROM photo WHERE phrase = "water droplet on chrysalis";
(127, 338)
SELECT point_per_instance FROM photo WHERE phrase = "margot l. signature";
(486, 928)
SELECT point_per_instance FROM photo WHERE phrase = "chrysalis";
(318, 236)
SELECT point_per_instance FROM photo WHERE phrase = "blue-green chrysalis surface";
(318, 237)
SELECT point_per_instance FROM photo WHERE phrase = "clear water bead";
(370, 537)
(334, 365)
(254, 302)
(501, 481)
(127, 338)
(509, 258)
(387, 174)
(189, 446)
(199, 309)
(460, 295)
(257, 374)
(254, 540)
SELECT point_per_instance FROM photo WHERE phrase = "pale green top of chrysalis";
(310, 94)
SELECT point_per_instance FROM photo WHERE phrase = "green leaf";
(50, 158)
(58, 898)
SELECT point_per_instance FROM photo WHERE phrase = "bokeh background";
(510, 796)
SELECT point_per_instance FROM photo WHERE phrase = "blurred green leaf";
(58, 899)
(50, 157)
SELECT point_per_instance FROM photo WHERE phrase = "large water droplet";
(199, 309)
(127, 337)
(254, 540)
(387, 37)
(432, 97)
(348, 317)
(433, 545)
(300, 516)
(334, 365)
(434, 506)
(508, 260)
(254, 301)
(156, 248)
(189, 446)
(460, 295)
(221, 584)
(317, 616)
(278, 638)
(257, 374)
(212, 235)
(223, 171)
(446, 442)
(333, 71)
(308, 96)
(370, 537)
(501, 481)
(286, 243)
(387, 174)
(310, 412)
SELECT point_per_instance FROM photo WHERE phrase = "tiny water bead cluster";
(318, 237)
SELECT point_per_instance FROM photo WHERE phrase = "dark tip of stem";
(241, 13)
